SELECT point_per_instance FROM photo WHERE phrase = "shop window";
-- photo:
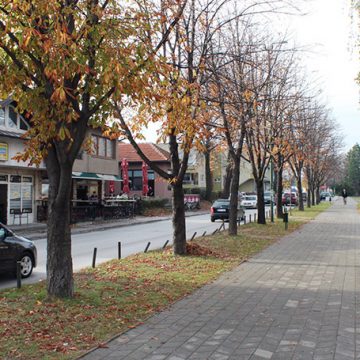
(102, 147)
(21, 194)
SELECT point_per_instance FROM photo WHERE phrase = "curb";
(114, 226)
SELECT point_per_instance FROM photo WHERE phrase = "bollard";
(166, 242)
(244, 219)
(193, 237)
(147, 247)
(254, 217)
(94, 257)
(249, 218)
(18, 274)
(204, 233)
(119, 250)
(286, 219)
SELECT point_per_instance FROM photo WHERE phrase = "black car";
(220, 210)
(15, 248)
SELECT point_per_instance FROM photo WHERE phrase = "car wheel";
(212, 219)
(26, 265)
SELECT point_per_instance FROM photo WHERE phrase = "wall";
(16, 146)
(99, 165)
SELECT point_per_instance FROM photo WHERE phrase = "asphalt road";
(133, 240)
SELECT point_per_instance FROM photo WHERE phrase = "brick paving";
(297, 300)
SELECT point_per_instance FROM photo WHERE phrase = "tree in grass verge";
(63, 62)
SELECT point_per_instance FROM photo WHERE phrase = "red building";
(157, 186)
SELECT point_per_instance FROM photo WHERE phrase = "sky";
(328, 34)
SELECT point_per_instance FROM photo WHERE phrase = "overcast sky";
(328, 31)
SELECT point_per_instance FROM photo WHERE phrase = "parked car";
(15, 248)
(267, 197)
(220, 210)
(289, 198)
(304, 195)
(324, 195)
(249, 201)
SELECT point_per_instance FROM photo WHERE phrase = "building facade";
(20, 182)
(158, 186)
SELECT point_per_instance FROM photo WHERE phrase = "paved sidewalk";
(298, 299)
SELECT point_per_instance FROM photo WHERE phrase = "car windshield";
(6, 228)
(267, 194)
(221, 202)
(250, 197)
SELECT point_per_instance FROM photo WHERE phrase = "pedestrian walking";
(344, 195)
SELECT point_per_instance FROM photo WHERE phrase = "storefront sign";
(4, 153)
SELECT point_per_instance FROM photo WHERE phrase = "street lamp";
(271, 181)
(271, 186)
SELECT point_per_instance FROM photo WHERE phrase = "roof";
(12, 134)
(152, 152)
(5, 102)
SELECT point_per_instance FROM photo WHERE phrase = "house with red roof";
(157, 185)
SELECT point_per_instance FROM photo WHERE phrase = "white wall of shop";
(16, 146)
(11, 167)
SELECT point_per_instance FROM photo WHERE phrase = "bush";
(152, 203)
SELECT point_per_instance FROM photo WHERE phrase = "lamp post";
(271, 189)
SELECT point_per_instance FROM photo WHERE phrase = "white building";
(20, 182)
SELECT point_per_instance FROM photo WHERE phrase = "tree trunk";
(234, 197)
(227, 181)
(59, 267)
(178, 219)
(317, 195)
(279, 190)
(313, 202)
(208, 176)
(261, 219)
(299, 186)
(308, 193)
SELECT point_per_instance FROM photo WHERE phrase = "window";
(151, 175)
(190, 178)
(12, 122)
(102, 147)
(2, 117)
(21, 194)
(11, 119)
(135, 177)
(109, 149)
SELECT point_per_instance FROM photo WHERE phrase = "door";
(7, 252)
(3, 203)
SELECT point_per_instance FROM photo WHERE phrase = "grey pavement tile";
(296, 300)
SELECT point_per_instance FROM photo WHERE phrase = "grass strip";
(121, 294)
